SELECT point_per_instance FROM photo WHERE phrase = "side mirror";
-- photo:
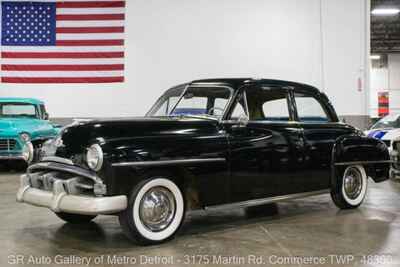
(46, 116)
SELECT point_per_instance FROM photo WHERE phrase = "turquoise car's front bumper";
(11, 148)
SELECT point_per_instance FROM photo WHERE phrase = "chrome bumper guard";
(44, 189)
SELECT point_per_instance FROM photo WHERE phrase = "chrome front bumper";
(12, 157)
(58, 200)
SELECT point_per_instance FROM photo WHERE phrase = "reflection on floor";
(272, 234)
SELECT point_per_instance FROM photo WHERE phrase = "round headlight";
(25, 137)
(27, 152)
(94, 157)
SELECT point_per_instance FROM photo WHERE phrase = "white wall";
(345, 54)
(170, 42)
(394, 83)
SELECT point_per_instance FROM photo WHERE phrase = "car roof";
(236, 83)
(32, 101)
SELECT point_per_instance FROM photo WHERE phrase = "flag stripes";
(88, 46)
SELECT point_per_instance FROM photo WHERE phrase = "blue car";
(24, 127)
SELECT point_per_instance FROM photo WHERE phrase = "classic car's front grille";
(72, 185)
(7, 144)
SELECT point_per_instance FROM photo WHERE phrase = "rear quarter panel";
(365, 151)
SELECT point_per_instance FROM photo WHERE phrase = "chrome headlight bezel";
(25, 137)
(94, 157)
(28, 152)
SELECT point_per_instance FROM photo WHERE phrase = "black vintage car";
(207, 144)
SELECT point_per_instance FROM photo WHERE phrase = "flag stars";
(32, 23)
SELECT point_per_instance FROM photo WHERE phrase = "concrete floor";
(303, 228)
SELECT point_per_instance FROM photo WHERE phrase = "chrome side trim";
(58, 159)
(166, 162)
(54, 166)
(363, 162)
(263, 201)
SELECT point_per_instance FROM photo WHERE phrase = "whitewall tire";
(155, 211)
(350, 188)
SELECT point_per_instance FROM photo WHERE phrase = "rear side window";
(268, 103)
(276, 110)
(309, 109)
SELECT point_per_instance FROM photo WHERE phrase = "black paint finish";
(262, 158)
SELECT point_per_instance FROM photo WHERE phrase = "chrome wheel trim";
(352, 182)
(177, 218)
(358, 196)
(157, 208)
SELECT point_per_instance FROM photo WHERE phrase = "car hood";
(384, 134)
(78, 136)
(14, 126)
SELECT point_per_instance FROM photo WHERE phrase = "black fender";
(354, 149)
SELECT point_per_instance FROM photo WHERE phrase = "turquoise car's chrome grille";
(7, 144)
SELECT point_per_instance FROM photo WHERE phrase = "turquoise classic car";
(24, 127)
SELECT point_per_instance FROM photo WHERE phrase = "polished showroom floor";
(306, 227)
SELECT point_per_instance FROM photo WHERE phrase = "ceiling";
(385, 30)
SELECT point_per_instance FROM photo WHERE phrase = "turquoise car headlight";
(27, 152)
(94, 157)
(25, 137)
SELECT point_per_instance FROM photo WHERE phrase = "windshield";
(167, 102)
(18, 110)
(390, 121)
(207, 101)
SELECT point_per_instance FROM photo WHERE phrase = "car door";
(320, 128)
(265, 150)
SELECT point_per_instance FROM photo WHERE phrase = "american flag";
(66, 41)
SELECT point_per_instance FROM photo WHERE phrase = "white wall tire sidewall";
(357, 201)
(179, 212)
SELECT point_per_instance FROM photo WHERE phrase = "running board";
(262, 201)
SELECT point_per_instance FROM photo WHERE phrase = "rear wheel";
(75, 218)
(155, 211)
(351, 187)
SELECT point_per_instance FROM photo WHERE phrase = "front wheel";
(351, 187)
(155, 211)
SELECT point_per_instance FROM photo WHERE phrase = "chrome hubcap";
(353, 182)
(157, 209)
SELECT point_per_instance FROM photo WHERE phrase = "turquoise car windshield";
(18, 110)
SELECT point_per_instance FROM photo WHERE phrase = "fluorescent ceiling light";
(385, 11)
(375, 57)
